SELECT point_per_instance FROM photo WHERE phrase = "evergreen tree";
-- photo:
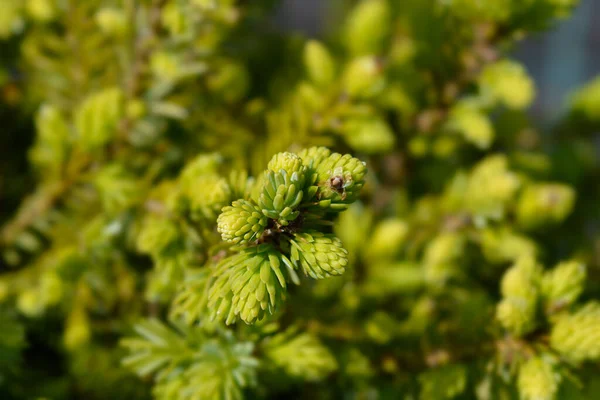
(223, 211)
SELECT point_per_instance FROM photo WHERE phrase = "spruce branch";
(249, 284)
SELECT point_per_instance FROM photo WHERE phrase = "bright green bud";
(363, 77)
(517, 314)
(472, 124)
(247, 285)
(300, 355)
(97, 118)
(241, 223)
(367, 27)
(507, 82)
(288, 162)
(280, 197)
(313, 156)
(577, 336)
(339, 180)
(522, 279)
(283, 187)
(112, 21)
(562, 286)
(369, 135)
(538, 380)
(541, 204)
(319, 64)
(319, 255)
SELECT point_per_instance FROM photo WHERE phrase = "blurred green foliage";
(193, 217)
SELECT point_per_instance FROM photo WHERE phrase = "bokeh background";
(558, 60)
